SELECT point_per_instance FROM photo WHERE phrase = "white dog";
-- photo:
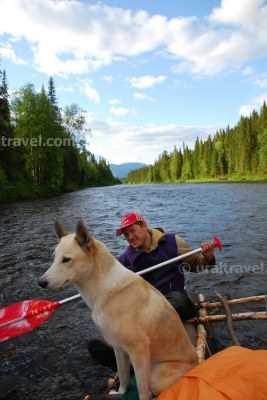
(133, 316)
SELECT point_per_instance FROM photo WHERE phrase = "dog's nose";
(43, 282)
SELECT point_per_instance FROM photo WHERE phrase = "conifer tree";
(164, 170)
(196, 159)
(263, 152)
(175, 165)
(5, 128)
(254, 143)
(187, 168)
(52, 92)
(262, 138)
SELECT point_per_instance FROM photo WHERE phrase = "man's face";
(136, 235)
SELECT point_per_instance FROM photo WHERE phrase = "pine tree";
(262, 139)
(6, 153)
(196, 159)
(214, 168)
(254, 122)
(221, 168)
(164, 167)
(52, 92)
(175, 165)
(203, 159)
(187, 168)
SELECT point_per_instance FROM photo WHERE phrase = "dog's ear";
(83, 237)
(60, 230)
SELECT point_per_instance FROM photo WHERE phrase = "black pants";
(182, 303)
(103, 354)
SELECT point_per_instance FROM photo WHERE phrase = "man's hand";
(207, 249)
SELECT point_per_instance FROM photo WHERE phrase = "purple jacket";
(165, 279)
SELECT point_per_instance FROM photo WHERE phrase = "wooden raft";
(204, 317)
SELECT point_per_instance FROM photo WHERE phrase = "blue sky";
(148, 74)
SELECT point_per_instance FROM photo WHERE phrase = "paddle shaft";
(167, 262)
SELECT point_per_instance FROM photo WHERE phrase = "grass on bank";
(229, 179)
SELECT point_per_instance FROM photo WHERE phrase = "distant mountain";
(121, 170)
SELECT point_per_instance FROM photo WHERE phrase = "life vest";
(165, 279)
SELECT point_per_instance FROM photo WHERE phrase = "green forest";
(233, 154)
(42, 147)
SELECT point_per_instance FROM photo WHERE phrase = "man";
(148, 247)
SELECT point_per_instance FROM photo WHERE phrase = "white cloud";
(261, 81)
(119, 111)
(90, 117)
(142, 96)
(246, 109)
(247, 71)
(68, 89)
(146, 81)
(114, 101)
(70, 37)
(90, 92)
(234, 33)
(8, 52)
(75, 37)
(255, 104)
(240, 12)
(261, 98)
(119, 142)
(108, 78)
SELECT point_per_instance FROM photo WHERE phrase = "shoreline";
(248, 179)
(22, 196)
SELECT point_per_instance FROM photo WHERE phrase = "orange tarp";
(236, 373)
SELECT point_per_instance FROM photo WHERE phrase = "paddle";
(25, 316)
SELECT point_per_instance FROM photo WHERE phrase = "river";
(53, 362)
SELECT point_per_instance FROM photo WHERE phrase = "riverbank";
(20, 192)
(230, 179)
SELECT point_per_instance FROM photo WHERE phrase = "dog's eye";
(66, 259)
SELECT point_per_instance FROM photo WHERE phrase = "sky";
(149, 75)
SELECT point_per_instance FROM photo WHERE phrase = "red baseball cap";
(128, 220)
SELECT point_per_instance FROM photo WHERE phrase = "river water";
(53, 362)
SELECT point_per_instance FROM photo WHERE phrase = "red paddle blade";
(24, 317)
(217, 242)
